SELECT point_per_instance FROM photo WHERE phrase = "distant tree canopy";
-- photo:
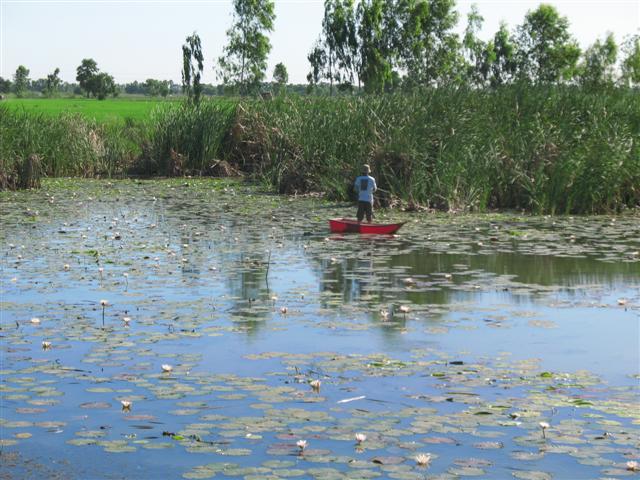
(280, 77)
(156, 88)
(21, 81)
(52, 83)
(104, 85)
(244, 61)
(85, 74)
(5, 85)
(93, 82)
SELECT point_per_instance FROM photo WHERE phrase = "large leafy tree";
(21, 81)
(428, 47)
(631, 63)
(93, 82)
(192, 72)
(103, 85)
(85, 75)
(375, 54)
(547, 53)
(597, 66)
(478, 55)
(52, 84)
(501, 57)
(244, 61)
(340, 30)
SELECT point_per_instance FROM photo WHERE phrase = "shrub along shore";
(542, 149)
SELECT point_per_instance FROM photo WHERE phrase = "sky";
(136, 40)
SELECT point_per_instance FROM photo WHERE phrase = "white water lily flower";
(46, 345)
(315, 384)
(403, 309)
(126, 404)
(633, 466)
(104, 303)
(409, 281)
(66, 267)
(35, 321)
(126, 320)
(360, 437)
(622, 301)
(384, 314)
(166, 367)
(423, 459)
(302, 444)
(284, 310)
(544, 426)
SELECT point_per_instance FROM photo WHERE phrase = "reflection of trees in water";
(528, 269)
(248, 286)
(239, 252)
(370, 277)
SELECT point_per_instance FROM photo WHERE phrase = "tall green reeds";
(68, 145)
(187, 138)
(541, 149)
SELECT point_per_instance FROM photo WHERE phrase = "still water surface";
(455, 339)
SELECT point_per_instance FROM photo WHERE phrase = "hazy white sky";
(142, 39)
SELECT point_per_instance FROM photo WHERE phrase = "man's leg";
(361, 210)
(369, 212)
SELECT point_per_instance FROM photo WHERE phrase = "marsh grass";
(552, 149)
(188, 139)
(68, 145)
(543, 149)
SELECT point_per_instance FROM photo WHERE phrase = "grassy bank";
(557, 150)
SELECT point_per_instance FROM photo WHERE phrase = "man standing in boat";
(365, 185)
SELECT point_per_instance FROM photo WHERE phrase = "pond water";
(235, 327)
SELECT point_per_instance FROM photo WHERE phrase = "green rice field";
(103, 111)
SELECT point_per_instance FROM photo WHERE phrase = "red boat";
(346, 225)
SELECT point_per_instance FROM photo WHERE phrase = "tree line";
(53, 86)
(377, 46)
(381, 45)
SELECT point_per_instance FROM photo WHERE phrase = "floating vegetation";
(497, 368)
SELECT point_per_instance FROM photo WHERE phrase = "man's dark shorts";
(365, 208)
